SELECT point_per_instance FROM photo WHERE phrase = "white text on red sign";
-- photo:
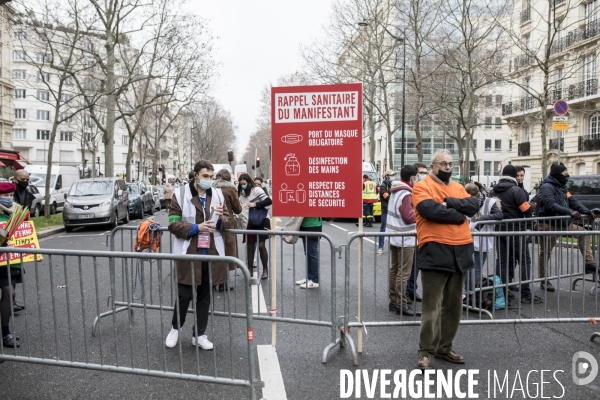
(316, 107)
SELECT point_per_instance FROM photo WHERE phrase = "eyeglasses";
(445, 164)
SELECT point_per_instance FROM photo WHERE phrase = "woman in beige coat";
(168, 194)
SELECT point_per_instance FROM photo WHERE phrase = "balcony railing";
(588, 31)
(555, 95)
(558, 46)
(526, 15)
(524, 149)
(554, 143)
(589, 142)
(588, 87)
(522, 61)
(519, 105)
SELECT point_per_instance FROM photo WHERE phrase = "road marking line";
(270, 373)
(258, 297)
(71, 236)
(367, 239)
(339, 227)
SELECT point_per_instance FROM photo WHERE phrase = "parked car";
(37, 206)
(586, 188)
(96, 201)
(61, 178)
(140, 199)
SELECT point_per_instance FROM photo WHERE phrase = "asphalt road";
(46, 330)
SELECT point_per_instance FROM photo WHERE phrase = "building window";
(43, 135)
(66, 155)
(66, 136)
(69, 80)
(589, 67)
(594, 125)
(20, 134)
(125, 140)
(43, 76)
(525, 133)
(19, 113)
(20, 93)
(42, 155)
(43, 95)
(510, 145)
(19, 55)
(66, 42)
(498, 122)
(498, 145)
(19, 74)
(498, 99)
(488, 122)
(87, 120)
(487, 168)
(475, 144)
(42, 58)
(66, 97)
(88, 46)
(488, 144)
(89, 65)
(66, 117)
(20, 35)
(43, 115)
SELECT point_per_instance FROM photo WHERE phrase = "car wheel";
(151, 212)
(115, 222)
(68, 228)
(126, 219)
(53, 209)
(37, 211)
(142, 209)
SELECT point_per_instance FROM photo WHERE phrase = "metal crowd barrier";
(565, 267)
(288, 264)
(63, 289)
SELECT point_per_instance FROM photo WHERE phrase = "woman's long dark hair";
(249, 183)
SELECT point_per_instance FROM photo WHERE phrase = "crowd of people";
(443, 213)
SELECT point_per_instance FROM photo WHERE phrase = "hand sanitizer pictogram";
(292, 166)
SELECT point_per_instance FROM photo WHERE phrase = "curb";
(50, 232)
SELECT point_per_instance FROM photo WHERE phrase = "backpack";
(487, 294)
(148, 237)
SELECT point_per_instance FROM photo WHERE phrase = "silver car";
(96, 201)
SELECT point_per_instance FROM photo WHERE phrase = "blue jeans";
(411, 285)
(382, 229)
(479, 258)
(311, 245)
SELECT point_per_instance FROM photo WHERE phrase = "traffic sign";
(561, 107)
(560, 126)
(560, 119)
(317, 150)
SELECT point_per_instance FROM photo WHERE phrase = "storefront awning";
(12, 158)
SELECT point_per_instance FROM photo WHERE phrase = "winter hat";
(556, 169)
(7, 187)
(510, 170)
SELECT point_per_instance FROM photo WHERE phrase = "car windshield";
(90, 188)
(133, 189)
(39, 180)
(584, 186)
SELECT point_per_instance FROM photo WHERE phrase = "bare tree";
(214, 131)
(58, 53)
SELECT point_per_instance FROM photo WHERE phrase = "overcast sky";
(258, 41)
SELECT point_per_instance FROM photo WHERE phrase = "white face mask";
(421, 176)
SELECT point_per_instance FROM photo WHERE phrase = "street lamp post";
(402, 39)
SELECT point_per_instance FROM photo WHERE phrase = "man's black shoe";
(18, 307)
(392, 307)
(414, 297)
(408, 311)
(591, 268)
(547, 287)
(10, 341)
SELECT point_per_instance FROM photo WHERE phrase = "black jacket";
(557, 200)
(515, 203)
(23, 197)
(383, 189)
(434, 256)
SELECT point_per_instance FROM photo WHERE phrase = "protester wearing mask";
(24, 197)
(255, 197)
(421, 171)
(401, 219)
(194, 210)
(7, 287)
(384, 196)
(556, 200)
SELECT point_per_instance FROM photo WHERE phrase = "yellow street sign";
(560, 126)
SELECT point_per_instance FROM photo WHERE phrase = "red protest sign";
(317, 150)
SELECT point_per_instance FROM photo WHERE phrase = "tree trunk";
(51, 141)
(111, 101)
